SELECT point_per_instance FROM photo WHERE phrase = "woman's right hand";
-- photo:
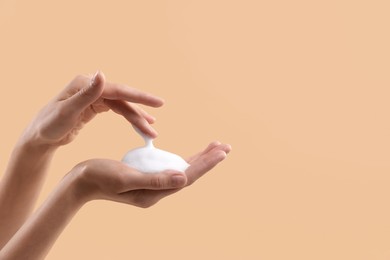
(82, 99)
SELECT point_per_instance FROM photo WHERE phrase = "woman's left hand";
(112, 180)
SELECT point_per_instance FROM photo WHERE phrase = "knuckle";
(121, 183)
(137, 119)
(116, 93)
(208, 161)
(156, 182)
(80, 78)
(84, 91)
(63, 111)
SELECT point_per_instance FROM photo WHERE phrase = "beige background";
(300, 89)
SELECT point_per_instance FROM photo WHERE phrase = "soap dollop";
(149, 159)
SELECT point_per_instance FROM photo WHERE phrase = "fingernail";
(93, 80)
(178, 180)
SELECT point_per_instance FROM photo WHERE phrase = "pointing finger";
(116, 91)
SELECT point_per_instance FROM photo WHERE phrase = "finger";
(116, 91)
(206, 162)
(159, 181)
(87, 95)
(211, 146)
(132, 115)
(148, 197)
(227, 148)
(151, 119)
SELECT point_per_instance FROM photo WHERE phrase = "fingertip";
(102, 76)
(178, 179)
(144, 128)
(159, 102)
(214, 143)
(152, 133)
(224, 147)
(151, 119)
(211, 146)
(172, 179)
(220, 156)
(152, 100)
(98, 79)
(228, 148)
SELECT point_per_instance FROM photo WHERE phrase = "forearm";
(35, 238)
(20, 186)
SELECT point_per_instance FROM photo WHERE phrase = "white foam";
(149, 159)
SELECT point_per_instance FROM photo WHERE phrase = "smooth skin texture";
(58, 124)
(30, 237)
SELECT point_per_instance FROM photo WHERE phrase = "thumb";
(88, 94)
(159, 181)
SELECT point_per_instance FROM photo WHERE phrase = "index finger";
(115, 91)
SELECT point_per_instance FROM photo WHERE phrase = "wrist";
(30, 157)
(75, 190)
(34, 145)
(78, 184)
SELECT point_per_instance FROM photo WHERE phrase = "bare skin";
(26, 236)
(58, 124)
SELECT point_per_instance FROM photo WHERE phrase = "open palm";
(113, 180)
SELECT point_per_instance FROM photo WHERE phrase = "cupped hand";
(113, 180)
(82, 99)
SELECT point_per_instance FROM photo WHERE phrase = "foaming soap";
(149, 159)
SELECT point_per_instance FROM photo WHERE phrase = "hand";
(113, 180)
(102, 179)
(59, 122)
